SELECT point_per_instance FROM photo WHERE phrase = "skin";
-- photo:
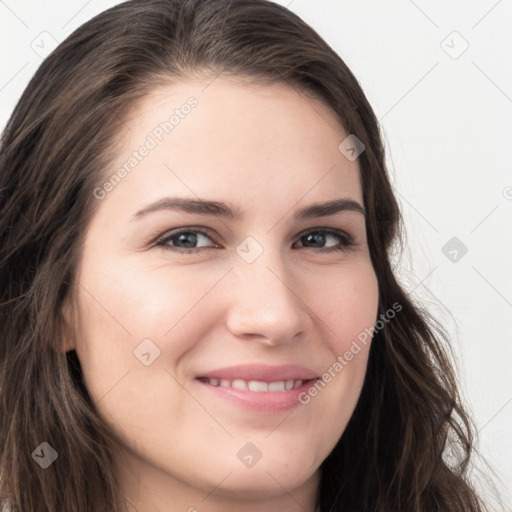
(270, 150)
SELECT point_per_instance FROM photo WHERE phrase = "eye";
(185, 240)
(318, 237)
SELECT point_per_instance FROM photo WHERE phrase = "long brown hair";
(55, 149)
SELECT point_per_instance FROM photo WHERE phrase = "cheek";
(121, 306)
(347, 304)
(143, 300)
(348, 309)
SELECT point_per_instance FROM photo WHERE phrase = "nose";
(265, 304)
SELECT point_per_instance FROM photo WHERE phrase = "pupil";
(183, 238)
(320, 239)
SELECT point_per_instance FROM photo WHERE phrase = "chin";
(264, 482)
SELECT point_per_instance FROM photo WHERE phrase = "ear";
(68, 341)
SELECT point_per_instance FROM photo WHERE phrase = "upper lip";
(260, 372)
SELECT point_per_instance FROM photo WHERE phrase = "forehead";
(220, 137)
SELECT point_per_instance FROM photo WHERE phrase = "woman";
(171, 339)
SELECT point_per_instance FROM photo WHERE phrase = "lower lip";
(260, 401)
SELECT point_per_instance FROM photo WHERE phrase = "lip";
(260, 401)
(262, 372)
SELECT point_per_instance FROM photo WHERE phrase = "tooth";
(289, 384)
(298, 384)
(225, 383)
(276, 386)
(256, 385)
(214, 382)
(239, 384)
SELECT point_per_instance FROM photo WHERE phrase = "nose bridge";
(264, 300)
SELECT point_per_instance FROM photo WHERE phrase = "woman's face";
(190, 341)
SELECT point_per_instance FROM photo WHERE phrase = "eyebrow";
(222, 209)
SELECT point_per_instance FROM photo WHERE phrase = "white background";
(446, 117)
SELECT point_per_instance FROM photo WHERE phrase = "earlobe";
(66, 345)
(67, 341)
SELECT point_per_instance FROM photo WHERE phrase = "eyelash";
(347, 242)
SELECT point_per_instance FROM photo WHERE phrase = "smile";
(255, 385)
